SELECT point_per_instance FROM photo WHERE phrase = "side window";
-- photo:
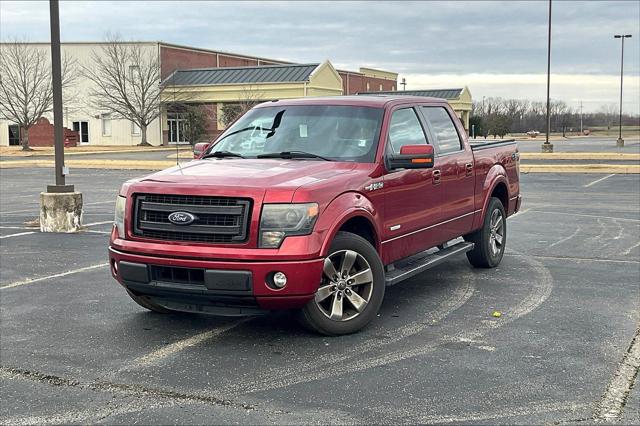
(405, 129)
(443, 129)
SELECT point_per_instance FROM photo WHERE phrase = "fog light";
(279, 279)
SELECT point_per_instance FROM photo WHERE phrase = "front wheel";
(351, 291)
(491, 239)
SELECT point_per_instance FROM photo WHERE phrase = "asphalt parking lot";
(75, 349)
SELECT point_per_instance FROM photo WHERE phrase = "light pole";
(546, 146)
(60, 206)
(620, 141)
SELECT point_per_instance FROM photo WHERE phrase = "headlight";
(281, 220)
(119, 215)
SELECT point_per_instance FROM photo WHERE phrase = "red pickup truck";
(315, 204)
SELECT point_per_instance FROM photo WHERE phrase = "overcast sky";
(495, 48)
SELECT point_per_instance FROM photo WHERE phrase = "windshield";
(341, 133)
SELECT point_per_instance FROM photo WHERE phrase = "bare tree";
(26, 87)
(249, 98)
(126, 80)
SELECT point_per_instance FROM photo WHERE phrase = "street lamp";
(546, 146)
(620, 141)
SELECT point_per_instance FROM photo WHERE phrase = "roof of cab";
(373, 101)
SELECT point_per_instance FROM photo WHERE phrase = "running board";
(420, 262)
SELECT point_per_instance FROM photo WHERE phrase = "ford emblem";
(181, 218)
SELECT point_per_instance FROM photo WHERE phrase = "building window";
(134, 71)
(393, 87)
(381, 87)
(106, 124)
(177, 126)
(82, 127)
(368, 86)
(135, 129)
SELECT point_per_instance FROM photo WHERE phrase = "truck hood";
(252, 173)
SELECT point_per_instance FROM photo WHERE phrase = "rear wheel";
(351, 290)
(491, 239)
(147, 303)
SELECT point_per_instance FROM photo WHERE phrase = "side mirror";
(412, 157)
(199, 148)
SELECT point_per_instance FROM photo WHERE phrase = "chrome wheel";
(496, 229)
(346, 287)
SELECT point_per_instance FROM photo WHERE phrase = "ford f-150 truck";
(316, 205)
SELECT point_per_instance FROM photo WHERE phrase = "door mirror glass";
(199, 148)
(412, 157)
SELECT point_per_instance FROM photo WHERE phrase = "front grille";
(218, 219)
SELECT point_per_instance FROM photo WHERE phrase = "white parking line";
(181, 345)
(588, 215)
(612, 403)
(598, 180)
(98, 223)
(628, 251)
(17, 235)
(62, 274)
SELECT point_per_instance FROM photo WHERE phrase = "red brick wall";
(172, 58)
(41, 134)
(358, 83)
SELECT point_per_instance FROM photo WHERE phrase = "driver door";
(412, 205)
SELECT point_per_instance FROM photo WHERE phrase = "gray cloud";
(457, 38)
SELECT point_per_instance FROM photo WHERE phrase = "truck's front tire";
(491, 239)
(147, 303)
(351, 290)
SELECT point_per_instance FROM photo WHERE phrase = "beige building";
(459, 99)
(95, 127)
(179, 66)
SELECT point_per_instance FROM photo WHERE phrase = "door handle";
(469, 168)
(436, 176)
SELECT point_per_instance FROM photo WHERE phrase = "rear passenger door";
(455, 163)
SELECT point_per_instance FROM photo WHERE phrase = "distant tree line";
(497, 117)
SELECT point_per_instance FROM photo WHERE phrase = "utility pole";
(546, 146)
(620, 141)
(56, 74)
(403, 83)
(60, 206)
(581, 118)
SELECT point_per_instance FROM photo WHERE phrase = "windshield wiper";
(223, 154)
(292, 154)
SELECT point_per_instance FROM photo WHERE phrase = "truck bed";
(477, 144)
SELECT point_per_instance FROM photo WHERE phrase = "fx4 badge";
(374, 186)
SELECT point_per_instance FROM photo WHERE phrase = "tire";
(489, 243)
(337, 307)
(146, 303)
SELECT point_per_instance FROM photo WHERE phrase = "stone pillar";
(620, 143)
(547, 147)
(60, 212)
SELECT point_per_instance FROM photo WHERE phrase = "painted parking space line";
(613, 401)
(598, 180)
(588, 215)
(19, 234)
(98, 223)
(168, 350)
(48, 277)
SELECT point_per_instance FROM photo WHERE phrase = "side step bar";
(420, 262)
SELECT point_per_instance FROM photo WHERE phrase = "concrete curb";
(106, 151)
(162, 164)
(580, 168)
(580, 156)
(92, 164)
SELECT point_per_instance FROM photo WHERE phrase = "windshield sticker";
(303, 130)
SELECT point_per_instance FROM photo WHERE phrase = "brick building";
(99, 128)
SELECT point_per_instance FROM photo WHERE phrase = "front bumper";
(223, 287)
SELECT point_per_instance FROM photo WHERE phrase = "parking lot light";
(620, 141)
